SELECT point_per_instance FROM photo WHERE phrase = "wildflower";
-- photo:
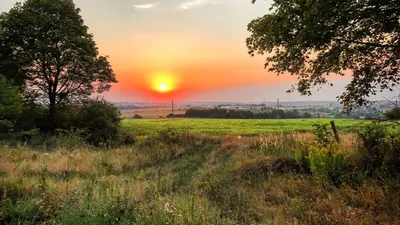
(169, 208)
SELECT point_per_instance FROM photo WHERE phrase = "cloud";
(195, 3)
(144, 6)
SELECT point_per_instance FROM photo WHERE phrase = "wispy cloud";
(144, 6)
(195, 3)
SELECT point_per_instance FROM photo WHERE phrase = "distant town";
(328, 109)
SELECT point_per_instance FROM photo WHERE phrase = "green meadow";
(205, 171)
(196, 179)
(222, 127)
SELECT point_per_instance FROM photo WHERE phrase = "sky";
(186, 50)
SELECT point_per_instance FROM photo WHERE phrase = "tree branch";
(367, 43)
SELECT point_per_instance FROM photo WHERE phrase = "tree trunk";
(53, 102)
(52, 113)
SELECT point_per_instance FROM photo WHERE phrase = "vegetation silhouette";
(316, 39)
(242, 114)
(48, 43)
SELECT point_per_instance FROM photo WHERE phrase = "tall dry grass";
(185, 180)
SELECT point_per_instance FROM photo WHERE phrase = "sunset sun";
(163, 88)
(163, 82)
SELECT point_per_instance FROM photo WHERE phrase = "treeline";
(128, 107)
(243, 114)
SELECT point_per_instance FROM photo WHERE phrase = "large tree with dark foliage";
(46, 44)
(313, 39)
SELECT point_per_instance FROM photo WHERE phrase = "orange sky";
(192, 63)
(198, 46)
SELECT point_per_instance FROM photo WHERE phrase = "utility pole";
(278, 104)
(278, 109)
(172, 109)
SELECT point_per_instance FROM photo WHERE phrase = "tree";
(99, 120)
(50, 45)
(10, 105)
(393, 114)
(313, 39)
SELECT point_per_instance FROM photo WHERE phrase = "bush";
(137, 116)
(323, 134)
(328, 161)
(129, 139)
(379, 151)
(10, 105)
(68, 116)
(33, 116)
(323, 158)
(324, 161)
(393, 114)
(100, 122)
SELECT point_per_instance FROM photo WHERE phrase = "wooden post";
(335, 132)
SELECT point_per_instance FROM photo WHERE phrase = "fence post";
(335, 132)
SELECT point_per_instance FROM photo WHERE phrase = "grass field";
(186, 180)
(152, 112)
(222, 127)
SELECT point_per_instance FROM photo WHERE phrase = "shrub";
(68, 116)
(323, 158)
(323, 135)
(137, 116)
(328, 162)
(325, 161)
(100, 122)
(393, 114)
(169, 136)
(10, 105)
(33, 116)
(129, 139)
(379, 150)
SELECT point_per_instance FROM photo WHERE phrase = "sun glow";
(163, 83)
(163, 88)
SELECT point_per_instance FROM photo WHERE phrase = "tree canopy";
(314, 39)
(47, 44)
(10, 105)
